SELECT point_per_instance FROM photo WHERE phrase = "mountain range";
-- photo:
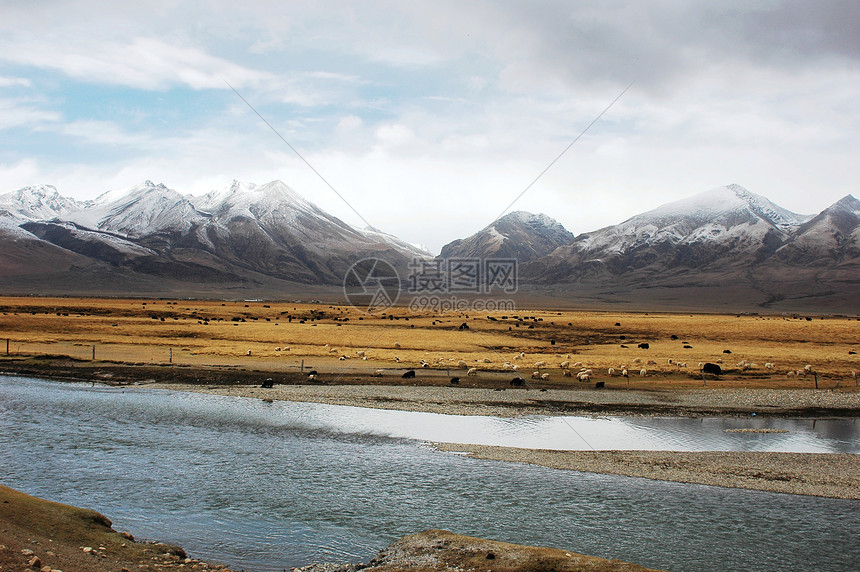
(724, 248)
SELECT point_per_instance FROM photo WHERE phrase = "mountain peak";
(521, 235)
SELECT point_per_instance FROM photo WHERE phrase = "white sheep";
(610, 371)
(249, 353)
(277, 348)
(624, 372)
(643, 372)
(472, 371)
(540, 364)
(359, 353)
(681, 364)
(670, 361)
(333, 351)
(637, 360)
(583, 377)
(577, 364)
(544, 376)
(507, 366)
(487, 360)
(565, 373)
(377, 373)
(396, 344)
(462, 364)
(564, 364)
(535, 375)
(807, 368)
(312, 377)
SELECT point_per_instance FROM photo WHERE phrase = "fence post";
(7, 346)
(94, 352)
(303, 367)
(170, 360)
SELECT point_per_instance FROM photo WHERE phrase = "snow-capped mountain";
(520, 235)
(228, 234)
(729, 226)
(831, 237)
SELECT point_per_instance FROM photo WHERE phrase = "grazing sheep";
(462, 364)
(277, 348)
(720, 360)
(333, 351)
(564, 364)
(577, 364)
(768, 365)
(425, 364)
(377, 373)
(515, 367)
(535, 375)
(544, 376)
(396, 344)
(487, 360)
(791, 373)
(669, 361)
(397, 359)
(472, 371)
(853, 374)
(681, 364)
(311, 377)
(583, 377)
(637, 360)
(610, 371)
(507, 366)
(409, 374)
(565, 373)
(701, 365)
(540, 364)
(643, 372)
(651, 362)
(359, 353)
(342, 358)
(624, 372)
(249, 352)
(807, 368)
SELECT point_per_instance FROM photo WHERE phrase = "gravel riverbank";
(515, 402)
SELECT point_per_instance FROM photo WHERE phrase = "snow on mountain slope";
(521, 235)
(832, 235)
(723, 214)
(40, 202)
(139, 211)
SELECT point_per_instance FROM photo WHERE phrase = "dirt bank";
(36, 534)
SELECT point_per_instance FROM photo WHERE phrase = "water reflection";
(268, 486)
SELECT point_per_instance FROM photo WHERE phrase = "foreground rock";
(36, 534)
(439, 550)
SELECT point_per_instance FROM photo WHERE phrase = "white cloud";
(14, 81)
(143, 63)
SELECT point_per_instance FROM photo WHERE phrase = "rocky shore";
(45, 536)
(440, 550)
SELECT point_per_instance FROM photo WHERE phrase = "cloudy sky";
(429, 118)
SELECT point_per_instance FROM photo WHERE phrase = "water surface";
(269, 486)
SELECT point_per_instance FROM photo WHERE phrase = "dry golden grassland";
(277, 336)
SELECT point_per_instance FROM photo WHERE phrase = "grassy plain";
(278, 337)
